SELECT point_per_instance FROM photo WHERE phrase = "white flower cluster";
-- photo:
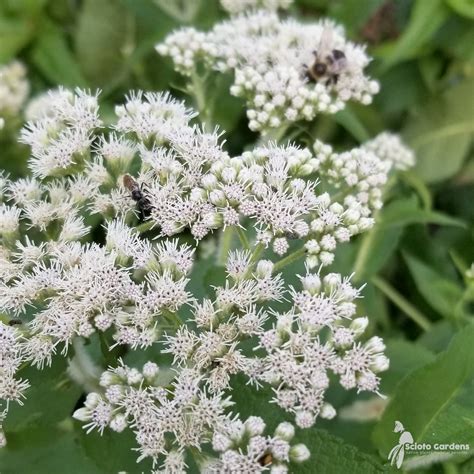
(14, 89)
(272, 60)
(389, 147)
(83, 289)
(295, 359)
(239, 6)
(166, 421)
(11, 387)
(61, 134)
(299, 362)
(132, 290)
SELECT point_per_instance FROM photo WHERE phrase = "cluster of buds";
(298, 361)
(239, 6)
(167, 419)
(14, 89)
(286, 71)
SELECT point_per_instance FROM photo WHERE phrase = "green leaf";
(426, 17)
(441, 133)
(438, 337)
(102, 39)
(463, 7)
(439, 292)
(378, 245)
(434, 402)
(405, 357)
(331, 455)
(403, 212)
(50, 399)
(14, 35)
(352, 123)
(54, 59)
(45, 450)
(376, 248)
(111, 452)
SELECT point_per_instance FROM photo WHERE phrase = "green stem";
(273, 135)
(257, 252)
(243, 238)
(292, 257)
(364, 253)
(197, 89)
(411, 311)
(225, 244)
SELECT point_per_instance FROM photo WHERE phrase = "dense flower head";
(389, 147)
(166, 421)
(14, 89)
(238, 6)
(154, 184)
(61, 133)
(285, 70)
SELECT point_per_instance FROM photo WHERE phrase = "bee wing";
(325, 42)
(129, 182)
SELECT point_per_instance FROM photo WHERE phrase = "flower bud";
(375, 344)
(82, 414)
(328, 412)
(359, 325)
(254, 426)
(264, 269)
(285, 431)
(150, 370)
(311, 283)
(118, 423)
(299, 453)
(380, 363)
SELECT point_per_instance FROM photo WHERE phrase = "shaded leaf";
(48, 450)
(441, 133)
(439, 292)
(102, 36)
(463, 7)
(426, 17)
(405, 357)
(14, 35)
(434, 402)
(52, 56)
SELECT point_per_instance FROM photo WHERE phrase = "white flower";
(61, 138)
(389, 147)
(270, 59)
(14, 89)
(238, 6)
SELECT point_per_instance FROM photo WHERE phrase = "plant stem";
(364, 252)
(197, 89)
(273, 135)
(225, 243)
(292, 257)
(243, 238)
(398, 299)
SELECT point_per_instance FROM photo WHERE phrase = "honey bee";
(328, 63)
(266, 459)
(137, 194)
(15, 322)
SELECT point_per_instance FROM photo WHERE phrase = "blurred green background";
(414, 261)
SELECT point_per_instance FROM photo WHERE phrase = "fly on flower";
(328, 63)
(136, 191)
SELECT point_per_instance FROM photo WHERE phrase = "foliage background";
(414, 261)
